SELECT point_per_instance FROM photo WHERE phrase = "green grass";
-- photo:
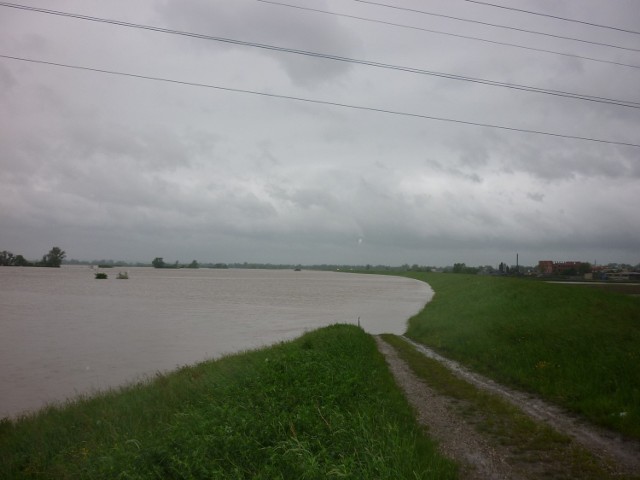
(576, 346)
(322, 406)
(531, 445)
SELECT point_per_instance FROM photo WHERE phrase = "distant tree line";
(8, 259)
(52, 259)
(105, 263)
(159, 262)
(56, 256)
(462, 268)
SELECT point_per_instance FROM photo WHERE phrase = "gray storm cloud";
(110, 166)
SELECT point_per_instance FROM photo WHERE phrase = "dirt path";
(457, 439)
(480, 458)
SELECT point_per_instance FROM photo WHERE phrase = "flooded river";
(65, 333)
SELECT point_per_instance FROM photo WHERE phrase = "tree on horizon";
(53, 258)
(158, 262)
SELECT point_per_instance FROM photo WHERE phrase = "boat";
(123, 276)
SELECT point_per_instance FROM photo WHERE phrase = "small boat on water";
(123, 276)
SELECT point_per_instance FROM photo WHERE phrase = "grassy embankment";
(576, 346)
(532, 449)
(322, 406)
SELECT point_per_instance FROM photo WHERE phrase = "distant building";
(545, 267)
(617, 274)
(560, 268)
(589, 272)
(549, 267)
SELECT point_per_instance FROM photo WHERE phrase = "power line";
(467, 37)
(553, 16)
(322, 102)
(526, 88)
(495, 25)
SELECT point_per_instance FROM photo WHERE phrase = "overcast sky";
(108, 166)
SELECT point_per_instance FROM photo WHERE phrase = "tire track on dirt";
(456, 438)
(606, 445)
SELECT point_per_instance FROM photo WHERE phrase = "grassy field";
(534, 449)
(576, 346)
(322, 406)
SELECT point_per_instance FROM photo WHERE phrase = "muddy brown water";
(64, 333)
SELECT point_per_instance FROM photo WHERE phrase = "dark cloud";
(7, 80)
(108, 166)
(269, 25)
(536, 196)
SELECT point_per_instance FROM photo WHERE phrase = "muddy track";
(463, 443)
(457, 439)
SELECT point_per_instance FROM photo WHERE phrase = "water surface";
(65, 333)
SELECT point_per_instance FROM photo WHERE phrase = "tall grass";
(504, 425)
(575, 346)
(322, 406)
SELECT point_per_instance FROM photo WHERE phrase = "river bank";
(321, 406)
(65, 333)
(572, 345)
(493, 431)
(325, 404)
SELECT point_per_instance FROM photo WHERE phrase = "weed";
(532, 446)
(322, 406)
(570, 344)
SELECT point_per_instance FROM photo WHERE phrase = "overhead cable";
(574, 20)
(526, 88)
(495, 25)
(456, 35)
(324, 102)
